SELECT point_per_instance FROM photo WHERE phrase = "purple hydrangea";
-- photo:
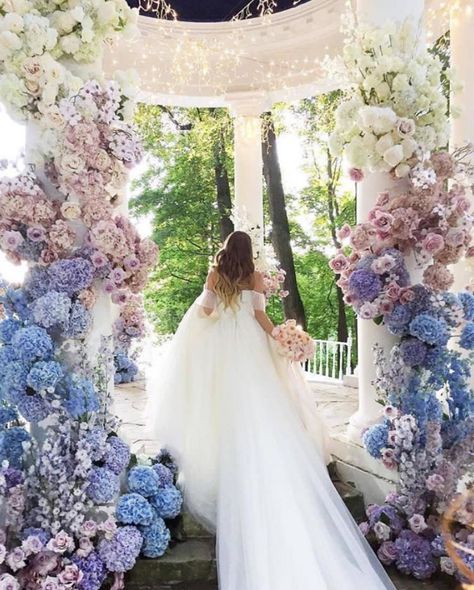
(97, 439)
(414, 555)
(120, 553)
(165, 475)
(93, 570)
(365, 285)
(103, 485)
(413, 351)
(37, 282)
(387, 514)
(117, 455)
(398, 319)
(71, 276)
(79, 322)
(33, 408)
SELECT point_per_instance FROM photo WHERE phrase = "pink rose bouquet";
(293, 342)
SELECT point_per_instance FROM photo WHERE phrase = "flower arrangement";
(395, 122)
(293, 342)
(38, 38)
(396, 110)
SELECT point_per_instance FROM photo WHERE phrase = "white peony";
(384, 143)
(393, 156)
(12, 22)
(10, 40)
(70, 43)
(107, 13)
(13, 91)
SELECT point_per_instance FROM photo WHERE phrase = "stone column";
(246, 108)
(376, 12)
(462, 127)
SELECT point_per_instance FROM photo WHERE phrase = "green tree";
(186, 190)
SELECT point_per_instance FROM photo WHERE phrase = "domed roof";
(217, 10)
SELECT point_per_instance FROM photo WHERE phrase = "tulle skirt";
(250, 448)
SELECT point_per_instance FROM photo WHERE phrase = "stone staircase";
(191, 564)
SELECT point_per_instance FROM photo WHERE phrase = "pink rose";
(433, 243)
(380, 219)
(120, 297)
(393, 291)
(387, 552)
(344, 232)
(386, 306)
(388, 458)
(382, 199)
(438, 277)
(383, 264)
(368, 311)
(11, 240)
(356, 174)
(364, 528)
(406, 296)
(36, 233)
(71, 575)
(391, 412)
(417, 523)
(61, 543)
(8, 582)
(435, 483)
(405, 127)
(462, 204)
(48, 256)
(455, 237)
(339, 263)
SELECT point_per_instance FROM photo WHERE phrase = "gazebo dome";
(277, 56)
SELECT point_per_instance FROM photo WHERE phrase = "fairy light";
(439, 17)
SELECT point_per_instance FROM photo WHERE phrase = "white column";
(376, 12)
(462, 127)
(246, 108)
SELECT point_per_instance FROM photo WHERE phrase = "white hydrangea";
(397, 109)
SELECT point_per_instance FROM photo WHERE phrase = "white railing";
(331, 360)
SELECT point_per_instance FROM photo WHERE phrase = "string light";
(439, 16)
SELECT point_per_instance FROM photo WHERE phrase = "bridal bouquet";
(293, 342)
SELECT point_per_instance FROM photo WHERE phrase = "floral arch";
(65, 522)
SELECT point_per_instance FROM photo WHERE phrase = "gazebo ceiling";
(216, 10)
(277, 57)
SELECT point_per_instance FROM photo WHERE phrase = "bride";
(236, 416)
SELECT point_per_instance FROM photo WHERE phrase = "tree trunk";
(281, 238)
(333, 177)
(224, 200)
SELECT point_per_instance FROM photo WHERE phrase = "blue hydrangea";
(156, 539)
(117, 455)
(168, 502)
(143, 480)
(413, 351)
(32, 344)
(15, 303)
(429, 329)
(33, 408)
(375, 439)
(134, 509)
(79, 323)
(7, 415)
(103, 485)
(14, 382)
(120, 553)
(365, 285)
(43, 536)
(44, 376)
(79, 395)
(11, 445)
(71, 276)
(93, 570)
(467, 301)
(165, 458)
(165, 475)
(7, 355)
(8, 328)
(467, 336)
(51, 310)
(398, 319)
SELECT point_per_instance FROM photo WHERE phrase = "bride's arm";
(207, 300)
(260, 315)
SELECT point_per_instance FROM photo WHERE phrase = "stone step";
(191, 562)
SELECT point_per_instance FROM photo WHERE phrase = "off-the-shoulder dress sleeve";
(207, 299)
(258, 301)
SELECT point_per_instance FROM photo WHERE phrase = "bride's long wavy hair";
(234, 266)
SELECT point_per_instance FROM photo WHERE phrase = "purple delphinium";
(365, 285)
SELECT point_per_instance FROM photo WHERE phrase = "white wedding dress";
(237, 418)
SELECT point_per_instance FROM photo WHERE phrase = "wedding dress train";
(236, 418)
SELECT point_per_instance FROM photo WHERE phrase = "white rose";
(356, 153)
(70, 210)
(71, 163)
(384, 143)
(107, 13)
(13, 91)
(50, 92)
(402, 170)
(87, 34)
(409, 145)
(10, 40)
(383, 91)
(32, 68)
(65, 21)
(12, 22)
(405, 127)
(393, 156)
(401, 83)
(33, 87)
(77, 13)
(70, 43)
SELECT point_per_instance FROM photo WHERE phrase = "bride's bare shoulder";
(258, 281)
